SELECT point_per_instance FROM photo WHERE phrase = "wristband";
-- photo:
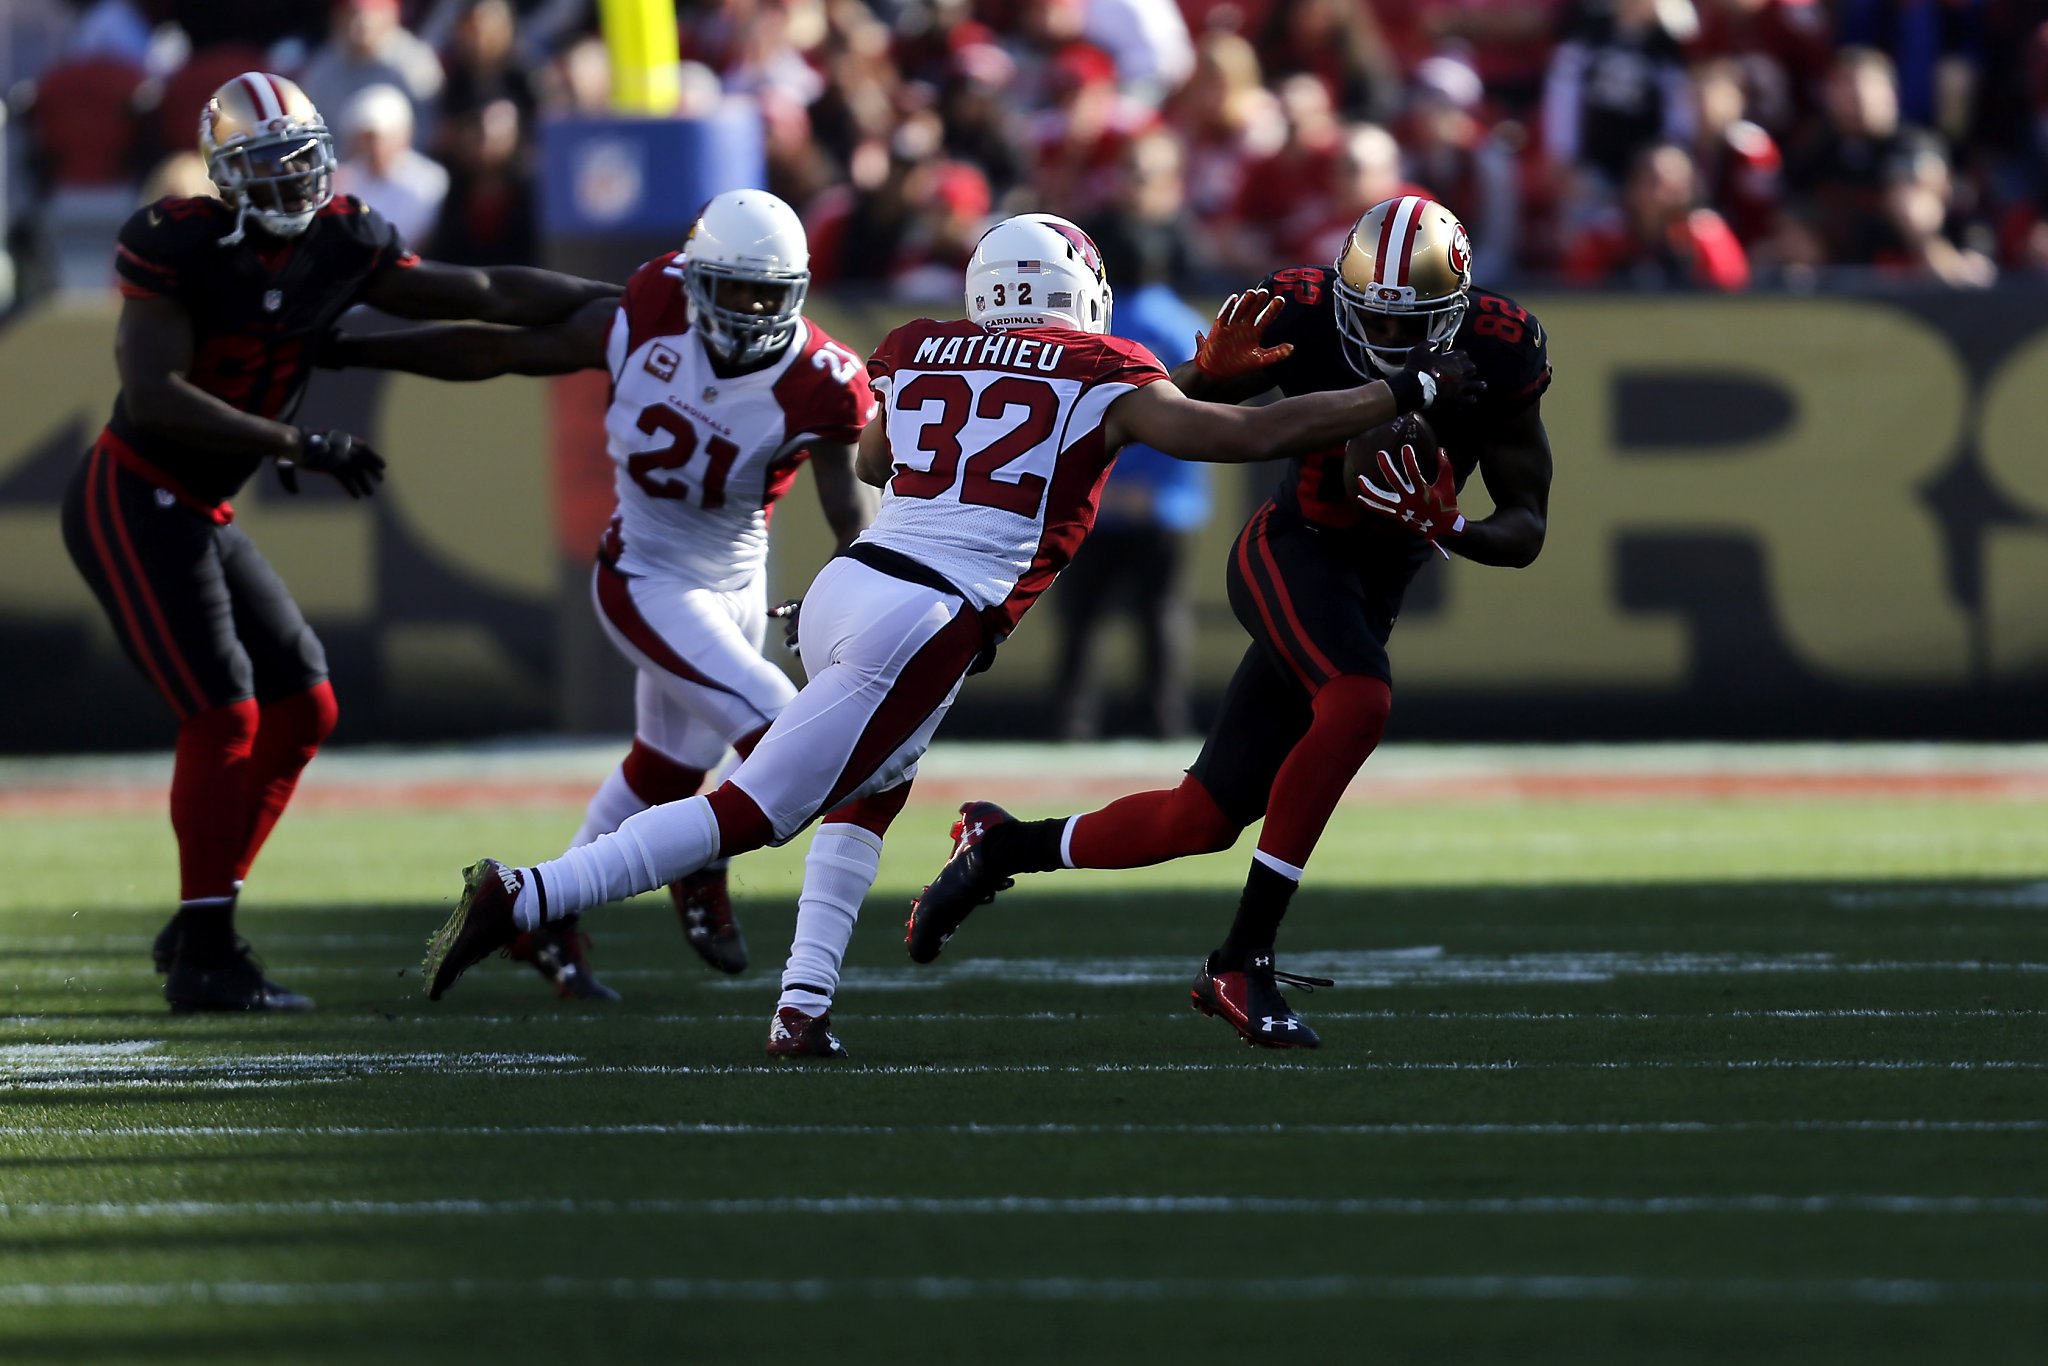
(1457, 525)
(1413, 390)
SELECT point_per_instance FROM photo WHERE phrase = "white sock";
(1278, 865)
(610, 805)
(838, 871)
(649, 850)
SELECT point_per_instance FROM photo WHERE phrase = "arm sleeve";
(383, 241)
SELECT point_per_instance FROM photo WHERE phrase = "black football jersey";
(257, 307)
(1504, 340)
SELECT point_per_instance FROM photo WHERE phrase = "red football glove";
(1430, 510)
(1231, 349)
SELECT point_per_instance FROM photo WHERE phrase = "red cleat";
(1249, 998)
(793, 1034)
(481, 924)
(708, 922)
(557, 952)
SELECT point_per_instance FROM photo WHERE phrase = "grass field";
(1636, 1057)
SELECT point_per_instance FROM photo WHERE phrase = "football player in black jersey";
(1316, 578)
(225, 301)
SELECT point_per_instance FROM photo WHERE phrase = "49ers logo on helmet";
(1460, 250)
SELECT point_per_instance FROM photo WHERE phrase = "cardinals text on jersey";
(999, 451)
(702, 457)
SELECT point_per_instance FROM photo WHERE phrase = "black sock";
(1023, 847)
(1259, 911)
(208, 930)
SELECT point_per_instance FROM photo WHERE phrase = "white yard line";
(682, 1129)
(1002, 1205)
(592, 1290)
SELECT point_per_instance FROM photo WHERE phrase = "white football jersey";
(701, 457)
(999, 451)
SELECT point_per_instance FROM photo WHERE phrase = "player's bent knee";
(655, 778)
(1200, 822)
(742, 825)
(872, 813)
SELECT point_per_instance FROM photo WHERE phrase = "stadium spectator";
(1509, 41)
(1147, 39)
(981, 127)
(1739, 161)
(1841, 168)
(1927, 236)
(1660, 236)
(1280, 187)
(1366, 170)
(1076, 142)
(1227, 120)
(1146, 232)
(488, 216)
(1135, 559)
(1340, 43)
(482, 63)
(1464, 162)
(380, 166)
(1617, 84)
(367, 47)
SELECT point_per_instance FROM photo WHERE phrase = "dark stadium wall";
(1773, 517)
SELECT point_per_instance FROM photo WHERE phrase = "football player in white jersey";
(995, 436)
(721, 388)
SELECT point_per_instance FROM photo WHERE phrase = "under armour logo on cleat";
(1273, 1022)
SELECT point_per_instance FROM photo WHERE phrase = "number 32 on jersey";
(1012, 418)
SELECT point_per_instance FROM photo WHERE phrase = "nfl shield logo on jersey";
(273, 299)
(711, 393)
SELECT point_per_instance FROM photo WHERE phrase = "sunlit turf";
(1656, 1081)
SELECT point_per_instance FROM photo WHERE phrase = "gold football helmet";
(1401, 282)
(269, 151)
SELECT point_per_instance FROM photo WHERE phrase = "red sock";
(655, 778)
(1152, 827)
(288, 734)
(210, 797)
(872, 813)
(741, 823)
(1350, 717)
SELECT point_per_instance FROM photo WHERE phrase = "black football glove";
(787, 613)
(1434, 378)
(354, 465)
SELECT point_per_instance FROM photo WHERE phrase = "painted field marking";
(1000, 1205)
(1743, 1290)
(703, 1129)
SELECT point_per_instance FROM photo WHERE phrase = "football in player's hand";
(1409, 429)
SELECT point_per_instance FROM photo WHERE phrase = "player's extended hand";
(1429, 508)
(787, 613)
(349, 459)
(1231, 348)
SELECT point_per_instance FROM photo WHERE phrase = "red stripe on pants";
(148, 594)
(94, 518)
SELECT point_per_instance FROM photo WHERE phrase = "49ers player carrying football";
(720, 390)
(994, 439)
(1316, 579)
(223, 303)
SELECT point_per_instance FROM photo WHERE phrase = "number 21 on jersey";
(660, 473)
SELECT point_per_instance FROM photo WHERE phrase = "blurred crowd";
(1711, 144)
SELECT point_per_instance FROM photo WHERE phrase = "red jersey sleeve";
(654, 302)
(823, 393)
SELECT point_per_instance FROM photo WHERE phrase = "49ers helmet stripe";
(1397, 241)
(268, 104)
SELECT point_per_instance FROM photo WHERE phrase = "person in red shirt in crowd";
(1279, 187)
(1078, 140)
(1659, 236)
(1227, 120)
(1739, 161)
(1790, 37)
(1367, 171)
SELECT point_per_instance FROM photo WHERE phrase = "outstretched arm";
(1516, 468)
(472, 351)
(1161, 416)
(848, 504)
(520, 295)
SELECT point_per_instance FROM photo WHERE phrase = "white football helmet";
(1037, 270)
(753, 238)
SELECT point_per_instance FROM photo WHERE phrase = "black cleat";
(233, 982)
(705, 909)
(793, 1034)
(1249, 998)
(556, 952)
(480, 925)
(164, 951)
(964, 883)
